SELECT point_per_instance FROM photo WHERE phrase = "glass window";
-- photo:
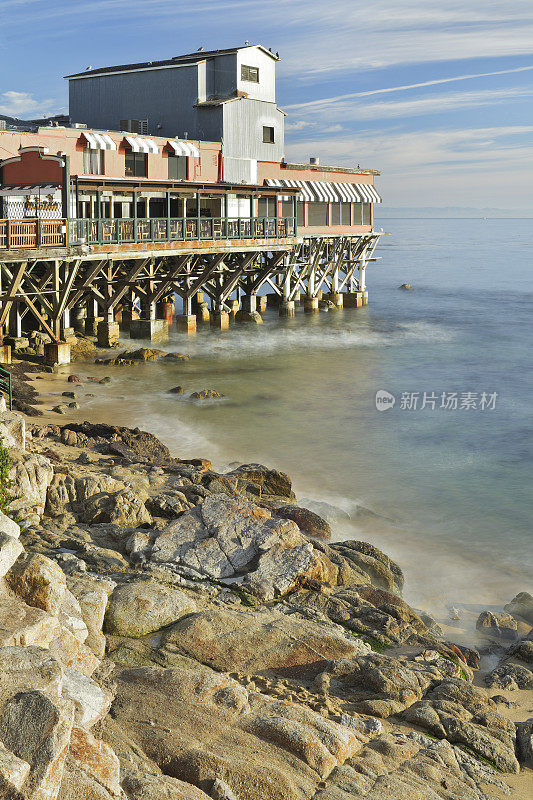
(93, 161)
(341, 214)
(268, 134)
(300, 212)
(366, 213)
(286, 208)
(357, 213)
(249, 74)
(136, 164)
(177, 168)
(318, 213)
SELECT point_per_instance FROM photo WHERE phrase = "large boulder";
(38, 581)
(510, 676)
(12, 428)
(521, 606)
(69, 492)
(23, 668)
(308, 522)
(22, 625)
(142, 786)
(96, 759)
(140, 607)
(37, 730)
(31, 474)
(249, 641)
(91, 702)
(10, 550)
(13, 773)
(92, 594)
(141, 445)
(124, 508)
(230, 536)
(9, 526)
(269, 481)
(464, 715)
(497, 625)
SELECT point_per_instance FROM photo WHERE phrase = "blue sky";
(438, 95)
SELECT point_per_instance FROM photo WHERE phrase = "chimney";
(314, 161)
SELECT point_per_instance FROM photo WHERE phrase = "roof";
(323, 168)
(187, 58)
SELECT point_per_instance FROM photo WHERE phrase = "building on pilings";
(171, 179)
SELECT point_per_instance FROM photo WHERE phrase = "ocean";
(441, 479)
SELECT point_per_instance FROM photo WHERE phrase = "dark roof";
(187, 58)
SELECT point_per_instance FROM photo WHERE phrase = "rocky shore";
(172, 632)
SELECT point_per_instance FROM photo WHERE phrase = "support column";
(92, 318)
(186, 322)
(108, 331)
(286, 308)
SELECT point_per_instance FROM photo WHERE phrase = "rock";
(70, 492)
(144, 446)
(176, 390)
(510, 676)
(146, 354)
(141, 786)
(221, 791)
(62, 408)
(206, 394)
(22, 625)
(71, 617)
(97, 759)
(13, 772)
(524, 741)
(249, 316)
(91, 702)
(249, 641)
(10, 550)
(362, 558)
(524, 651)
(39, 581)
(406, 286)
(74, 379)
(168, 505)
(92, 595)
(72, 653)
(175, 357)
(74, 405)
(124, 508)
(522, 606)
(13, 430)
(497, 625)
(464, 715)
(308, 522)
(31, 475)
(24, 668)
(8, 526)
(38, 731)
(77, 784)
(226, 536)
(72, 395)
(140, 607)
(270, 481)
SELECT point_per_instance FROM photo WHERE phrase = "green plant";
(5, 482)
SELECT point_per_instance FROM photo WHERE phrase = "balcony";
(36, 234)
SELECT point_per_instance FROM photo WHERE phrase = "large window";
(266, 207)
(268, 134)
(177, 168)
(341, 214)
(136, 164)
(367, 213)
(318, 214)
(249, 74)
(93, 161)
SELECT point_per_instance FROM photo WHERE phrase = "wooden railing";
(22, 234)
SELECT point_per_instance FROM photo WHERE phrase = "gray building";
(226, 96)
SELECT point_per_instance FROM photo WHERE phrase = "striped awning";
(23, 189)
(330, 191)
(99, 141)
(140, 145)
(184, 148)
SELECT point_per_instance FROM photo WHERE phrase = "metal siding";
(243, 130)
(266, 88)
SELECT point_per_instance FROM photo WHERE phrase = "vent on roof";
(134, 126)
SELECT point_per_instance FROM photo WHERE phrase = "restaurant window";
(300, 213)
(136, 164)
(367, 213)
(286, 208)
(250, 74)
(266, 207)
(318, 213)
(341, 214)
(357, 213)
(268, 134)
(177, 168)
(93, 161)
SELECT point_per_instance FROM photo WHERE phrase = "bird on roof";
(247, 42)
(200, 48)
(88, 68)
(277, 54)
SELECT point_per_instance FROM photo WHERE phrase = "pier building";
(171, 180)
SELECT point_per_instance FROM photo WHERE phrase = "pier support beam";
(57, 353)
(286, 308)
(186, 323)
(336, 298)
(353, 299)
(108, 334)
(311, 305)
(261, 302)
(220, 320)
(155, 330)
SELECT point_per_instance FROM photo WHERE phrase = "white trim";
(184, 148)
(35, 149)
(141, 145)
(130, 71)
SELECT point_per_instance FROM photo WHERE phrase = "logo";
(384, 400)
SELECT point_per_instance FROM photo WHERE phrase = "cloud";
(15, 104)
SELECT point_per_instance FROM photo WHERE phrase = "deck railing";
(25, 234)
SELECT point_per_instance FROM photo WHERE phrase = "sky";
(436, 95)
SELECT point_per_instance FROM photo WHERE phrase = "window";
(367, 213)
(249, 74)
(286, 208)
(341, 214)
(136, 164)
(177, 168)
(93, 161)
(300, 213)
(266, 207)
(318, 214)
(268, 134)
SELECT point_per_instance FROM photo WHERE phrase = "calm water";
(449, 490)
